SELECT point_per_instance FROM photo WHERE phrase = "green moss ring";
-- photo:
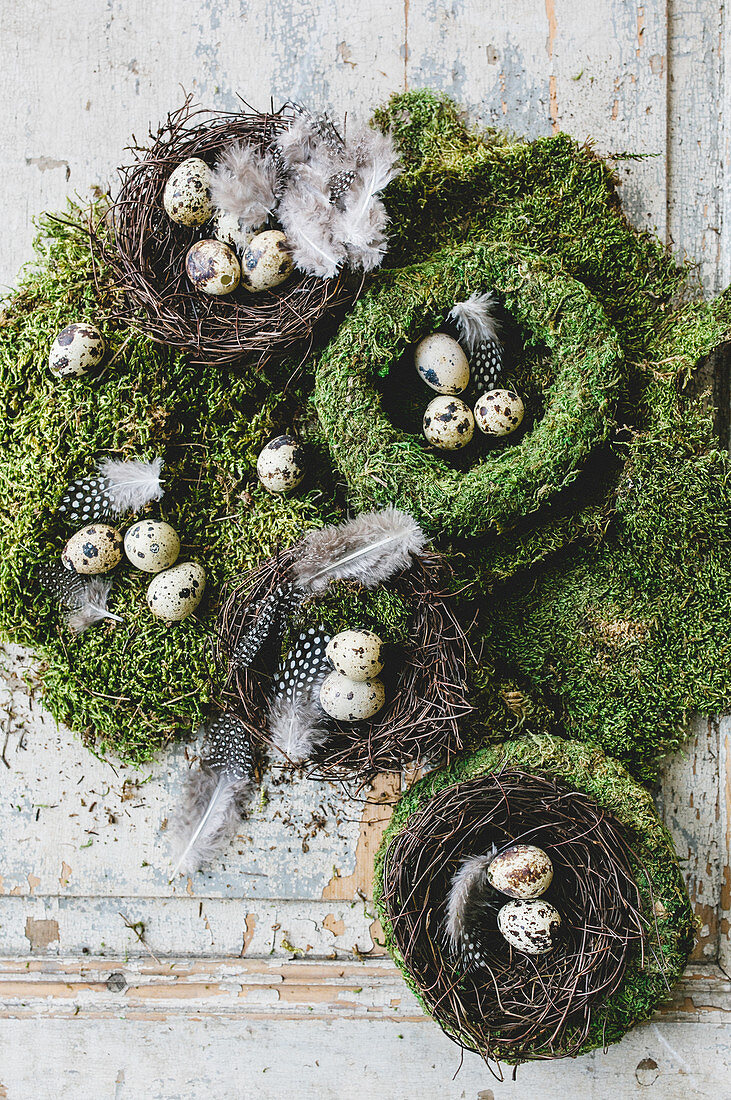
(626, 922)
(383, 464)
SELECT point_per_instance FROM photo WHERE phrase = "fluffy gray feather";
(298, 725)
(469, 894)
(92, 606)
(476, 319)
(363, 221)
(368, 549)
(132, 484)
(310, 222)
(243, 184)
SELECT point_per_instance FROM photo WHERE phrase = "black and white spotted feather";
(470, 905)
(271, 615)
(85, 598)
(296, 722)
(487, 366)
(120, 486)
(215, 796)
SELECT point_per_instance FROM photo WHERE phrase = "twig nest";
(76, 349)
(213, 268)
(266, 261)
(441, 363)
(175, 593)
(448, 423)
(356, 654)
(349, 700)
(151, 545)
(281, 464)
(187, 195)
(232, 231)
(522, 871)
(499, 412)
(529, 925)
(94, 549)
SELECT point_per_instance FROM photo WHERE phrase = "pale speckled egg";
(522, 871)
(232, 231)
(442, 364)
(77, 348)
(529, 926)
(94, 549)
(281, 464)
(175, 593)
(351, 700)
(187, 195)
(212, 268)
(266, 261)
(499, 412)
(152, 545)
(356, 654)
(448, 423)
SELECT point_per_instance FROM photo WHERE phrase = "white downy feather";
(132, 484)
(297, 726)
(363, 219)
(477, 321)
(311, 222)
(91, 606)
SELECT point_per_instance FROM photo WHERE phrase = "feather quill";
(368, 549)
(297, 723)
(469, 895)
(244, 184)
(477, 320)
(132, 484)
(215, 796)
(85, 598)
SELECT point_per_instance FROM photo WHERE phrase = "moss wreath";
(382, 463)
(565, 1025)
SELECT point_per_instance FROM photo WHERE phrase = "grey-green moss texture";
(664, 897)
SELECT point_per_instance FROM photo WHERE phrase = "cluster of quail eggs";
(527, 922)
(352, 692)
(150, 545)
(449, 422)
(232, 254)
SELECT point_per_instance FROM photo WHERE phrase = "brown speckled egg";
(351, 700)
(212, 268)
(77, 348)
(175, 593)
(448, 423)
(499, 412)
(266, 261)
(356, 654)
(281, 464)
(232, 231)
(522, 871)
(187, 195)
(94, 549)
(442, 364)
(151, 545)
(529, 926)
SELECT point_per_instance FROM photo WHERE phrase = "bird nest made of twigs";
(626, 922)
(146, 251)
(426, 690)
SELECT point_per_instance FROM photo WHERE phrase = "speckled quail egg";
(187, 195)
(76, 349)
(448, 423)
(529, 925)
(351, 700)
(499, 412)
(281, 464)
(175, 593)
(94, 549)
(356, 654)
(232, 231)
(212, 268)
(522, 871)
(266, 261)
(442, 364)
(152, 545)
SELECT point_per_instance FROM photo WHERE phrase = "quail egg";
(281, 464)
(529, 926)
(232, 231)
(351, 700)
(266, 261)
(187, 195)
(356, 654)
(442, 364)
(152, 545)
(76, 349)
(175, 593)
(94, 549)
(212, 268)
(499, 412)
(448, 423)
(522, 871)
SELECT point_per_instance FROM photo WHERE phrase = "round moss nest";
(626, 928)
